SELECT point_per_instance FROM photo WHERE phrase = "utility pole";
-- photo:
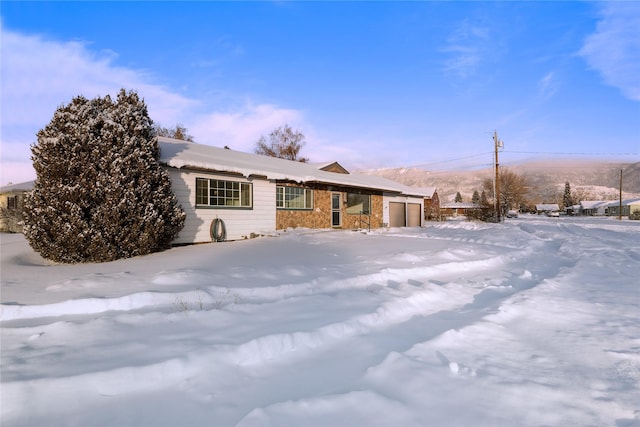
(496, 191)
(620, 207)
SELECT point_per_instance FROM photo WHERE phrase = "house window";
(12, 202)
(221, 193)
(294, 198)
(358, 204)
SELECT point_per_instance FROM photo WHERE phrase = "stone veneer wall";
(320, 215)
(353, 221)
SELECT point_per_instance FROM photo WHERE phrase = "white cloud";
(241, 129)
(39, 75)
(614, 48)
(466, 47)
(547, 85)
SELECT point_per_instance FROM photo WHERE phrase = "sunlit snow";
(533, 322)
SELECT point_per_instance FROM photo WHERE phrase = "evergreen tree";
(458, 198)
(100, 193)
(483, 199)
(475, 198)
(567, 200)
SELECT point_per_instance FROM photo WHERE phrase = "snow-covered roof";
(21, 186)
(189, 155)
(428, 191)
(593, 204)
(547, 207)
(625, 202)
(460, 205)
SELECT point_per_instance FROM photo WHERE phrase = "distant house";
(11, 206)
(547, 208)
(572, 210)
(593, 207)
(613, 208)
(454, 209)
(252, 194)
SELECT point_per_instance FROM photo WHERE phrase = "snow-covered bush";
(100, 193)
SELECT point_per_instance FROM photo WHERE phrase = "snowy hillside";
(596, 180)
(531, 322)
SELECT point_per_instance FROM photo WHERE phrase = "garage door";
(397, 214)
(415, 214)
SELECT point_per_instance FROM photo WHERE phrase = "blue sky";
(370, 84)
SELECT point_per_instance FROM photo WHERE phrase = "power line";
(566, 166)
(571, 153)
(467, 167)
(423, 165)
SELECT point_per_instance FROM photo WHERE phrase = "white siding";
(240, 223)
(386, 198)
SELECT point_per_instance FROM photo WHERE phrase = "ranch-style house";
(245, 195)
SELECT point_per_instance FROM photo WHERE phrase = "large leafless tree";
(513, 189)
(284, 143)
(178, 132)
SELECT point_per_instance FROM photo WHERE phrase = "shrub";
(100, 193)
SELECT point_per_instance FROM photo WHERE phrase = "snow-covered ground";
(534, 322)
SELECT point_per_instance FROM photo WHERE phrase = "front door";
(336, 211)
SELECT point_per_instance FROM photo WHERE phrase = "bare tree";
(284, 143)
(178, 132)
(513, 189)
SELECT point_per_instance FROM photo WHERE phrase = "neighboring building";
(254, 194)
(593, 207)
(11, 206)
(547, 209)
(431, 204)
(613, 208)
(454, 209)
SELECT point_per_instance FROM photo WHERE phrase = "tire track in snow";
(256, 295)
(449, 304)
(171, 373)
(64, 394)
(396, 338)
(470, 302)
(422, 302)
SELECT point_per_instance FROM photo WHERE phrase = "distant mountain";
(589, 179)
